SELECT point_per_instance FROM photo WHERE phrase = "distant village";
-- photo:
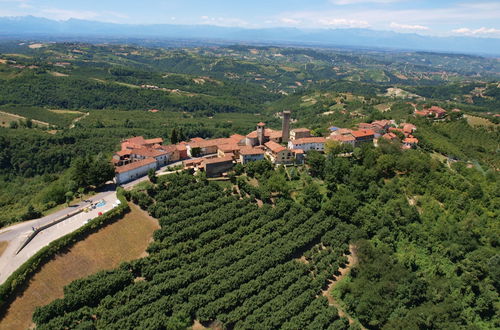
(285, 147)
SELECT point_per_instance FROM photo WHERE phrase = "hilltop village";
(282, 147)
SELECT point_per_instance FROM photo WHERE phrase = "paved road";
(16, 234)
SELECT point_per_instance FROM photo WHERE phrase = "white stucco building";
(134, 170)
(308, 143)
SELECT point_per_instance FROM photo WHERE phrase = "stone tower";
(261, 127)
(286, 126)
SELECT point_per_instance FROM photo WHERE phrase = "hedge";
(22, 275)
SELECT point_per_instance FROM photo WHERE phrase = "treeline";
(77, 93)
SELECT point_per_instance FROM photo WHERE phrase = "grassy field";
(478, 121)
(123, 240)
(41, 114)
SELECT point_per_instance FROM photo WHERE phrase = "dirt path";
(352, 260)
(78, 119)
(38, 122)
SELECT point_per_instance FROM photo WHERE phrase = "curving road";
(16, 234)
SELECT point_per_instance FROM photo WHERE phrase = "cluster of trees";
(412, 219)
(219, 258)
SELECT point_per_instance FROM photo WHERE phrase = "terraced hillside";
(217, 259)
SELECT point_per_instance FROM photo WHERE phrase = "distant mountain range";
(36, 27)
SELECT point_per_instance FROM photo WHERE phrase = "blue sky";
(479, 18)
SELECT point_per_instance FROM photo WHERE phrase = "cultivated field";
(123, 240)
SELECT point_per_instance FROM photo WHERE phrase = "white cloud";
(342, 22)
(291, 21)
(223, 21)
(483, 31)
(398, 26)
(64, 14)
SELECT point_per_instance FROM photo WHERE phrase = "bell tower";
(261, 127)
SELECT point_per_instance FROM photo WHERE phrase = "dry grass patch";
(123, 240)
(6, 118)
(66, 111)
(479, 121)
(58, 74)
(3, 246)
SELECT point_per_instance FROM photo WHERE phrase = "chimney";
(285, 133)
(260, 132)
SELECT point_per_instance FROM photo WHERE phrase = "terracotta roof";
(343, 138)
(211, 143)
(389, 136)
(252, 135)
(365, 125)
(149, 152)
(275, 134)
(362, 133)
(344, 131)
(135, 165)
(408, 128)
(301, 130)
(251, 151)
(123, 152)
(229, 147)
(261, 124)
(382, 123)
(237, 137)
(436, 109)
(191, 162)
(411, 140)
(309, 140)
(135, 140)
(197, 139)
(297, 151)
(217, 160)
(274, 147)
(181, 147)
(154, 141)
(422, 112)
(267, 133)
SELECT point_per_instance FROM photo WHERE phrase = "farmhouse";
(434, 112)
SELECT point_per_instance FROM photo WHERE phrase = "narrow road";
(352, 260)
(16, 234)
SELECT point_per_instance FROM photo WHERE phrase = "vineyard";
(218, 258)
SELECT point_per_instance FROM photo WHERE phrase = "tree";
(174, 139)
(69, 197)
(14, 124)
(311, 197)
(181, 136)
(152, 175)
(81, 191)
(195, 152)
(316, 163)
